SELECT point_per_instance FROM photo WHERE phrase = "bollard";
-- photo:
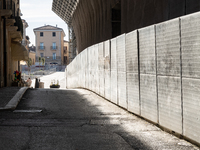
(41, 84)
(36, 83)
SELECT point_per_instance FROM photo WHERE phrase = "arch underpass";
(93, 20)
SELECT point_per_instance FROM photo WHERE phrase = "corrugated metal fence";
(153, 72)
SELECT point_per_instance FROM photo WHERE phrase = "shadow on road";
(78, 119)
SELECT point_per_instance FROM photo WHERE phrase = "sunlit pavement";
(47, 79)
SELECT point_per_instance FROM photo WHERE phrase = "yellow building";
(11, 50)
(49, 42)
(66, 53)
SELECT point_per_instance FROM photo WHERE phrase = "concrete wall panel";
(107, 84)
(190, 41)
(191, 108)
(107, 55)
(107, 70)
(102, 82)
(132, 52)
(82, 68)
(121, 89)
(114, 82)
(90, 68)
(114, 54)
(132, 72)
(101, 69)
(133, 93)
(148, 97)
(168, 48)
(87, 70)
(114, 97)
(121, 71)
(78, 70)
(169, 98)
(101, 56)
(147, 50)
(92, 61)
(96, 68)
(121, 56)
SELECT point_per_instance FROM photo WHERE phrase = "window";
(53, 33)
(41, 55)
(65, 50)
(41, 34)
(41, 45)
(54, 56)
(54, 45)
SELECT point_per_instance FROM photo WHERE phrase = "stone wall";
(152, 72)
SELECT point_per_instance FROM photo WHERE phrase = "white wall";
(153, 72)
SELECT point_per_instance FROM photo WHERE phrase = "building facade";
(11, 49)
(49, 44)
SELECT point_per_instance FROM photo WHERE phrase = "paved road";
(78, 120)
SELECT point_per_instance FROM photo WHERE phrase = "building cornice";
(47, 30)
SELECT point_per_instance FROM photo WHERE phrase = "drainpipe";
(5, 46)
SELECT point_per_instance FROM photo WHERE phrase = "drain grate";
(27, 111)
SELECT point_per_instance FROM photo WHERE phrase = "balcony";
(15, 28)
(13, 20)
(5, 10)
(54, 48)
(8, 9)
(19, 24)
(41, 47)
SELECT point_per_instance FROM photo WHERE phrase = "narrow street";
(99, 75)
(51, 119)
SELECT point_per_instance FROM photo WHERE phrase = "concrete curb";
(12, 104)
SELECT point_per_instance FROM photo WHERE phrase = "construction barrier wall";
(153, 72)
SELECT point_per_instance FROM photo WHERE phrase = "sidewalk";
(10, 97)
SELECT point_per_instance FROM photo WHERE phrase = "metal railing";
(41, 47)
(10, 5)
(37, 72)
(19, 24)
(54, 47)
